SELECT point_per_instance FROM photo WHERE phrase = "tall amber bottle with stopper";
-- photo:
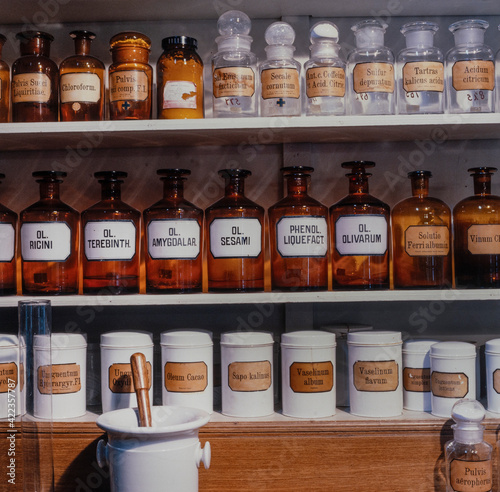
(49, 241)
(173, 232)
(235, 229)
(476, 226)
(421, 238)
(82, 82)
(360, 235)
(8, 224)
(111, 232)
(298, 229)
(4, 85)
(35, 80)
(130, 77)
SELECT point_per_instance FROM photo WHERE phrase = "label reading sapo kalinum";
(120, 378)
(109, 240)
(325, 82)
(8, 376)
(417, 379)
(249, 376)
(373, 77)
(31, 87)
(427, 241)
(186, 377)
(128, 85)
(361, 235)
(80, 87)
(449, 384)
(7, 242)
(171, 239)
(59, 379)
(423, 76)
(302, 236)
(45, 241)
(234, 82)
(376, 376)
(471, 476)
(311, 377)
(280, 82)
(236, 237)
(484, 239)
(473, 75)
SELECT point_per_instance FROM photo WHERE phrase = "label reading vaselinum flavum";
(170, 239)
(301, 236)
(376, 376)
(45, 241)
(361, 235)
(484, 239)
(239, 237)
(109, 240)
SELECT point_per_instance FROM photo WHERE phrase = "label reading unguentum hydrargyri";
(236, 237)
(45, 241)
(170, 239)
(109, 240)
(361, 235)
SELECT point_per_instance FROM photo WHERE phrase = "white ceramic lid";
(8, 341)
(246, 338)
(493, 346)
(418, 346)
(374, 337)
(453, 350)
(60, 341)
(308, 338)
(127, 339)
(186, 338)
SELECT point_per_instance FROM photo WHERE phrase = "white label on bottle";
(171, 239)
(109, 240)
(301, 236)
(236, 237)
(31, 87)
(179, 94)
(80, 87)
(7, 241)
(361, 235)
(45, 241)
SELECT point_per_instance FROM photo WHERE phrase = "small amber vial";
(82, 82)
(298, 229)
(49, 241)
(360, 235)
(130, 77)
(179, 74)
(35, 80)
(8, 224)
(4, 85)
(111, 232)
(235, 230)
(173, 233)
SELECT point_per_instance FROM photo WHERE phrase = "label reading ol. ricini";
(109, 240)
(301, 236)
(174, 239)
(361, 235)
(45, 241)
(239, 237)
(471, 476)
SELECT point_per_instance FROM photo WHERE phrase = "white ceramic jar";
(11, 391)
(375, 373)
(308, 374)
(60, 363)
(247, 374)
(117, 388)
(453, 375)
(187, 368)
(417, 375)
(492, 354)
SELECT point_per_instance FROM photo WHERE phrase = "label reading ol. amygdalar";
(170, 239)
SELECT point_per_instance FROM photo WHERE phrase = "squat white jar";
(247, 374)
(417, 375)
(187, 369)
(60, 363)
(492, 353)
(308, 374)
(453, 375)
(375, 373)
(10, 389)
(117, 388)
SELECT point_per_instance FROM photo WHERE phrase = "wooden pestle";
(141, 385)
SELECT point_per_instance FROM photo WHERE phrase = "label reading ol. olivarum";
(473, 75)
(186, 377)
(376, 376)
(311, 377)
(427, 241)
(361, 235)
(373, 77)
(120, 377)
(8, 376)
(31, 87)
(280, 82)
(249, 376)
(417, 379)
(234, 82)
(65, 379)
(325, 82)
(484, 239)
(128, 85)
(471, 476)
(449, 384)
(423, 76)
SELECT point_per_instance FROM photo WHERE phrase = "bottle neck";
(296, 185)
(82, 46)
(235, 186)
(36, 46)
(110, 190)
(358, 183)
(173, 188)
(482, 185)
(420, 186)
(49, 190)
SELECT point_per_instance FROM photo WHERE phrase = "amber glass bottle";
(476, 226)
(82, 82)
(130, 77)
(360, 235)
(173, 228)
(298, 230)
(35, 80)
(235, 229)
(4, 85)
(8, 223)
(179, 74)
(421, 238)
(49, 241)
(111, 232)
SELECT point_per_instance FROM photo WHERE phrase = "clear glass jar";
(4, 85)
(420, 74)
(370, 71)
(470, 69)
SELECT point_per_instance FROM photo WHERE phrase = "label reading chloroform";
(236, 237)
(45, 241)
(301, 236)
(361, 235)
(170, 239)
(7, 240)
(109, 240)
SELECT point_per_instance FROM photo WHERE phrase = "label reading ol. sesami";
(31, 87)
(471, 476)
(361, 235)
(109, 240)
(449, 384)
(302, 236)
(325, 82)
(8, 376)
(484, 239)
(45, 241)
(280, 82)
(59, 379)
(417, 379)
(7, 242)
(373, 77)
(236, 237)
(172, 239)
(234, 82)
(311, 377)
(376, 376)
(128, 85)
(427, 241)
(249, 376)
(186, 377)
(120, 377)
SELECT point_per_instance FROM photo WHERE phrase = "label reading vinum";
(109, 240)
(280, 82)
(311, 377)
(373, 77)
(31, 87)
(249, 376)
(423, 76)
(234, 82)
(80, 87)
(427, 241)
(471, 476)
(417, 379)
(120, 378)
(449, 384)
(302, 236)
(236, 237)
(128, 85)
(186, 377)
(7, 241)
(59, 379)
(376, 376)
(179, 94)
(170, 239)
(325, 82)
(484, 239)
(8, 375)
(45, 241)
(473, 75)
(361, 235)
